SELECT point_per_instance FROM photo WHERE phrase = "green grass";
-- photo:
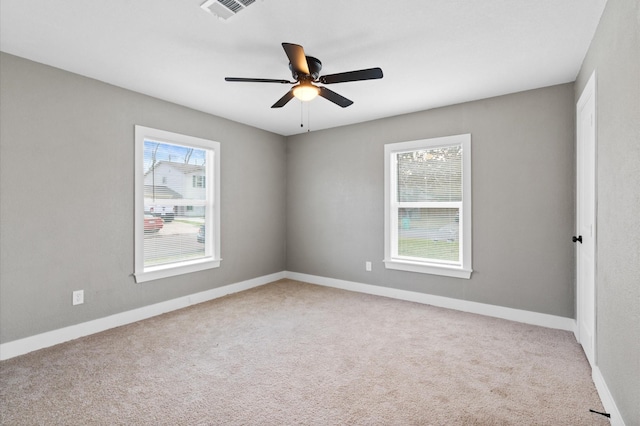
(428, 249)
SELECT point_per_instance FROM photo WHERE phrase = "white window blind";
(427, 197)
(428, 202)
(177, 215)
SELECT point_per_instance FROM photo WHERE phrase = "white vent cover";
(224, 9)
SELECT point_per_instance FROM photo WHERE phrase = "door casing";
(586, 294)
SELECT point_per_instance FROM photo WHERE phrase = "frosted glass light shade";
(305, 92)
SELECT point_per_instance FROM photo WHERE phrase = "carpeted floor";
(293, 353)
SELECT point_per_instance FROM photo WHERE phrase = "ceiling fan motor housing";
(314, 65)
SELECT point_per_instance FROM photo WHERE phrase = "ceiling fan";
(306, 70)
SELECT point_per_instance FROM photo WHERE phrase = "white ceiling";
(433, 53)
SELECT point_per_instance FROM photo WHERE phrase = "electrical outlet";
(367, 266)
(78, 297)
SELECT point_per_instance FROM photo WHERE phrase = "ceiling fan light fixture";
(305, 71)
(306, 92)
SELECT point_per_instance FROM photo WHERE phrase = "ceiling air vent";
(225, 9)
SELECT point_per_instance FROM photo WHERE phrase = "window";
(198, 181)
(173, 207)
(428, 206)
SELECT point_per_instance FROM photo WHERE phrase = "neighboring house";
(153, 193)
(170, 180)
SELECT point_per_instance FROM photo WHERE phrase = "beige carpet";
(293, 353)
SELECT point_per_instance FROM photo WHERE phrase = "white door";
(585, 239)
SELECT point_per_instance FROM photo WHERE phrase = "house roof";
(160, 192)
(184, 168)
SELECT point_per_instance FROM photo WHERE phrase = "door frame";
(588, 95)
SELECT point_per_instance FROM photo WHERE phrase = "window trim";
(212, 257)
(392, 261)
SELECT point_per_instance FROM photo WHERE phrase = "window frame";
(462, 269)
(212, 220)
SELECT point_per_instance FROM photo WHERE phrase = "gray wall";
(523, 215)
(615, 56)
(66, 198)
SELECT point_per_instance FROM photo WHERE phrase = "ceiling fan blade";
(368, 74)
(283, 100)
(297, 58)
(257, 80)
(334, 97)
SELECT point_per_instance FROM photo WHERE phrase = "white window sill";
(424, 268)
(165, 271)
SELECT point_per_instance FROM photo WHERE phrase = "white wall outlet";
(367, 266)
(78, 297)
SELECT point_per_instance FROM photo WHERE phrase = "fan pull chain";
(308, 107)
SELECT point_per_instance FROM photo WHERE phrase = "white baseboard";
(605, 396)
(527, 317)
(54, 337)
